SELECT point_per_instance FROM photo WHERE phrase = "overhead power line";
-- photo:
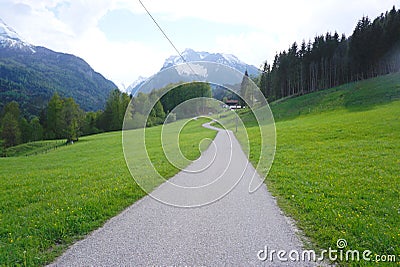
(166, 36)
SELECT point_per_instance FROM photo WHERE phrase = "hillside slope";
(335, 172)
(336, 167)
(30, 75)
(356, 96)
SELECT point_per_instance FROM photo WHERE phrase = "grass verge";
(49, 201)
(33, 148)
(336, 168)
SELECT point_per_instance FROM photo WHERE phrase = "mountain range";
(31, 74)
(190, 55)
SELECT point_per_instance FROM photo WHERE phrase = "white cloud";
(118, 61)
(72, 27)
(244, 45)
(278, 24)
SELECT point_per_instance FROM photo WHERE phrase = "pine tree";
(72, 117)
(54, 118)
(113, 116)
(246, 91)
(36, 129)
(26, 131)
(10, 127)
(11, 132)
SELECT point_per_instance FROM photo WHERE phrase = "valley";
(78, 154)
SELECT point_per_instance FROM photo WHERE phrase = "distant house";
(232, 104)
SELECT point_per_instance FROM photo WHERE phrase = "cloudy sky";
(118, 39)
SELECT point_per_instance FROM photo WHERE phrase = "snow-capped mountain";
(136, 85)
(31, 74)
(9, 38)
(188, 54)
(191, 56)
(226, 59)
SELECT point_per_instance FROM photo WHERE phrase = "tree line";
(62, 118)
(166, 99)
(331, 60)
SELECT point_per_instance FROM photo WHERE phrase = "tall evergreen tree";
(26, 131)
(328, 61)
(113, 116)
(11, 133)
(10, 126)
(72, 118)
(36, 129)
(54, 117)
(13, 109)
(246, 91)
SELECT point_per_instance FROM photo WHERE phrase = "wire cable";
(166, 36)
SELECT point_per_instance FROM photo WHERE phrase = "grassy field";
(357, 96)
(48, 201)
(336, 172)
(33, 148)
(337, 165)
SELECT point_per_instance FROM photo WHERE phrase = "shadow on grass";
(366, 95)
(354, 97)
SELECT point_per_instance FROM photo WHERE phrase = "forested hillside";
(331, 60)
(62, 118)
(32, 78)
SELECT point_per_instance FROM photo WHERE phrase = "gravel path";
(228, 232)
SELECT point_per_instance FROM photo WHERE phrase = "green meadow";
(337, 165)
(336, 173)
(49, 200)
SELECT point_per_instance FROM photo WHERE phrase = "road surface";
(232, 231)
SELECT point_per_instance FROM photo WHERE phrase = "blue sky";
(123, 25)
(119, 40)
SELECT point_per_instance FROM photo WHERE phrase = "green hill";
(33, 148)
(335, 172)
(32, 78)
(357, 96)
(336, 168)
